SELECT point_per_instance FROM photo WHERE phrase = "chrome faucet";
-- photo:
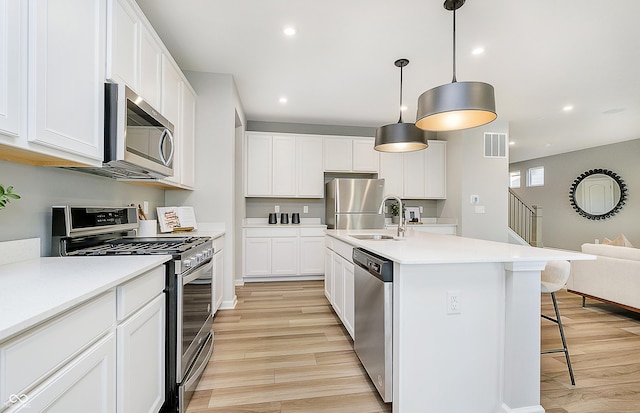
(401, 225)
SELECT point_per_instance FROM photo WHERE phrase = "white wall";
(562, 227)
(470, 173)
(43, 187)
(215, 146)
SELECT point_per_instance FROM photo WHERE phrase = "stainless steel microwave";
(138, 139)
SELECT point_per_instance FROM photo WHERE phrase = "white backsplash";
(19, 250)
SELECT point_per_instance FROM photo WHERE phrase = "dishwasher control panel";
(376, 265)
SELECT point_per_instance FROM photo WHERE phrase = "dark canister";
(295, 218)
(284, 218)
(273, 218)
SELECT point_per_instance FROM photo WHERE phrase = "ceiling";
(338, 69)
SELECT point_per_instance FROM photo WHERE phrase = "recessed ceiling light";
(547, 145)
(477, 50)
(289, 30)
(403, 108)
(512, 143)
(568, 108)
(283, 100)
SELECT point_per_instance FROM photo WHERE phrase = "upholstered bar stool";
(554, 277)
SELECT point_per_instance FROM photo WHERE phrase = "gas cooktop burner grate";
(140, 246)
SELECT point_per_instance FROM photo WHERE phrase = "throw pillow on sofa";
(620, 241)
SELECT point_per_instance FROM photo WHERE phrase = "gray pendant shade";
(400, 137)
(457, 105)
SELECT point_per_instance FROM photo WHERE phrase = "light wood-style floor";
(284, 350)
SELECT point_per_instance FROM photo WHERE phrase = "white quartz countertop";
(427, 248)
(31, 291)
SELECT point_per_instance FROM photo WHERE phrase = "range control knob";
(187, 263)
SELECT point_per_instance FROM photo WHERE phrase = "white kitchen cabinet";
(282, 252)
(141, 361)
(259, 161)
(416, 175)
(349, 154)
(338, 154)
(187, 137)
(328, 274)
(123, 43)
(87, 384)
(311, 254)
(66, 77)
(392, 170)
(12, 21)
(349, 306)
(270, 255)
(104, 355)
(257, 256)
(337, 300)
(150, 85)
(45, 362)
(365, 157)
(283, 165)
(340, 282)
(218, 274)
(309, 167)
(284, 256)
(311, 251)
(170, 108)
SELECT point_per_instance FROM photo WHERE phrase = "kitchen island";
(486, 358)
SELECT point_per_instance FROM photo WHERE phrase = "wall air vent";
(495, 145)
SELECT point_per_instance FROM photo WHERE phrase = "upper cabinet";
(283, 166)
(52, 72)
(11, 49)
(55, 57)
(416, 175)
(347, 154)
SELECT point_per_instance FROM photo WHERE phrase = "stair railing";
(525, 220)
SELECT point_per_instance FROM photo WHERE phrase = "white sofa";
(613, 277)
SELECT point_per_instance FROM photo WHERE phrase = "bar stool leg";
(564, 341)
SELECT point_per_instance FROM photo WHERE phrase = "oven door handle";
(197, 273)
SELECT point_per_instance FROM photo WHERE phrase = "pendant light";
(457, 105)
(400, 137)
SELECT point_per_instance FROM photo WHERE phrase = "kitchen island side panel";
(448, 362)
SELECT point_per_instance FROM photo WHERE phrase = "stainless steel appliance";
(139, 142)
(354, 203)
(94, 231)
(374, 318)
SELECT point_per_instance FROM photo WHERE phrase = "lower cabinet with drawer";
(283, 253)
(339, 282)
(106, 355)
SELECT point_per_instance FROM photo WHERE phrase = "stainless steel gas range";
(95, 231)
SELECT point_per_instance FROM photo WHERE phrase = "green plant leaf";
(14, 196)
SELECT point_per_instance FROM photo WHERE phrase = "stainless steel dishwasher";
(374, 318)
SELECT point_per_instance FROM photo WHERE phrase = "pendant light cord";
(454, 43)
(400, 120)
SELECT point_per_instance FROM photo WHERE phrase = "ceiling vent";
(495, 145)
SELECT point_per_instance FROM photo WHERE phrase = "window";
(535, 176)
(514, 179)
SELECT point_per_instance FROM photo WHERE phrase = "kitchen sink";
(372, 237)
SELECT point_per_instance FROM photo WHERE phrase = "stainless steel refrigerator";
(354, 203)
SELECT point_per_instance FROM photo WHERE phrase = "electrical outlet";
(305, 209)
(421, 209)
(145, 207)
(454, 303)
(276, 209)
(475, 199)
